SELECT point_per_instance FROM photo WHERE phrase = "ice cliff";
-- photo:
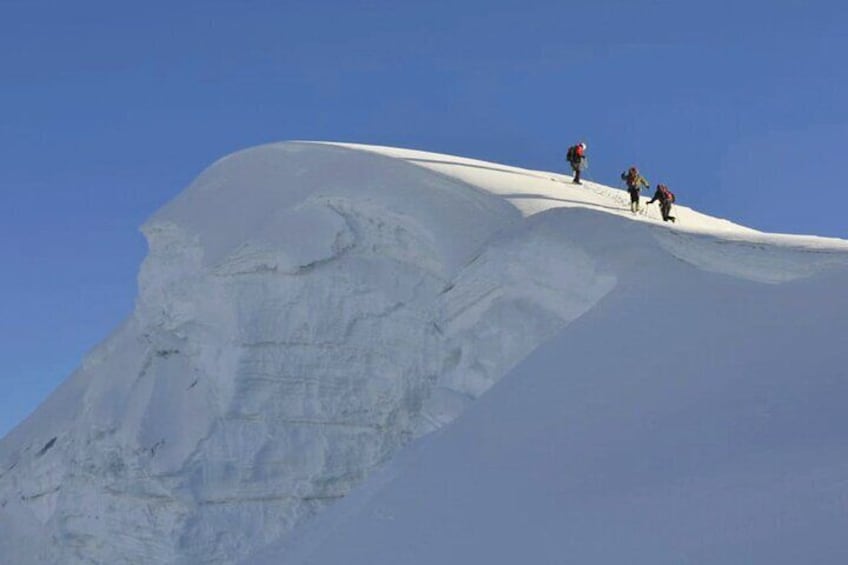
(305, 310)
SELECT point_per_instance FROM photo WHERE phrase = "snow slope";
(307, 310)
(689, 417)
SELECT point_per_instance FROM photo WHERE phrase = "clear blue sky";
(109, 108)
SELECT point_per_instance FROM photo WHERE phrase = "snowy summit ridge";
(306, 310)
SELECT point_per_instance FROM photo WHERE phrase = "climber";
(634, 182)
(576, 156)
(666, 197)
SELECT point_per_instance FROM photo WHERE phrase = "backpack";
(571, 156)
(668, 195)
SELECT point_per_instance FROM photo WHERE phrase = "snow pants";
(634, 199)
(577, 167)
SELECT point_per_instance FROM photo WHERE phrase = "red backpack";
(574, 154)
(667, 195)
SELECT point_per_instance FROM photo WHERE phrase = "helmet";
(583, 145)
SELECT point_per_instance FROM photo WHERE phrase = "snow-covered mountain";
(309, 313)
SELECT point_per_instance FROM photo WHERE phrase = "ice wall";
(305, 310)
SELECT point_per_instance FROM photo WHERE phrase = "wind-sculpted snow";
(307, 310)
(304, 311)
(770, 259)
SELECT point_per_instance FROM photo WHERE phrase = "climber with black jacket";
(666, 197)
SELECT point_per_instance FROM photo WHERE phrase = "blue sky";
(109, 109)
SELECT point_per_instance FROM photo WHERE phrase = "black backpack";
(571, 156)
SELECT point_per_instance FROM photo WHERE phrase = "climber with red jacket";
(576, 157)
